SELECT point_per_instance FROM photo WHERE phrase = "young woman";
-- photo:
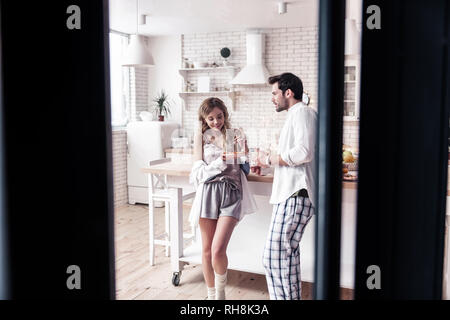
(222, 197)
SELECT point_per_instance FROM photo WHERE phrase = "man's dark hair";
(289, 81)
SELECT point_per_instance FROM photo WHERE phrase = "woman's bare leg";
(207, 229)
(224, 229)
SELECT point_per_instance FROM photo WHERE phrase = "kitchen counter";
(183, 169)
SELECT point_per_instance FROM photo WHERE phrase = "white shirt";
(296, 147)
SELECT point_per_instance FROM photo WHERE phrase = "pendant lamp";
(137, 54)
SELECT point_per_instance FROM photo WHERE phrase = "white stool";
(161, 194)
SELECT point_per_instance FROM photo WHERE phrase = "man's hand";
(276, 160)
(264, 158)
(259, 163)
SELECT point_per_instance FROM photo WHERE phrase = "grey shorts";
(220, 199)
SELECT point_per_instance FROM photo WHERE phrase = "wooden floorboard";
(137, 280)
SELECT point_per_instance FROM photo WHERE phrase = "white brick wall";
(286, 49)
(138, 92)
(119, 140)
(292, 49)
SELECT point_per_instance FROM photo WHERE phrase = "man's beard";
(282, 107)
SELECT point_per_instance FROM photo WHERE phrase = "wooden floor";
(137, 280)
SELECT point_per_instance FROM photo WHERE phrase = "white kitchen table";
(246, 246)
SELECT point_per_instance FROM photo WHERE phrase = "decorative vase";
(161, 118)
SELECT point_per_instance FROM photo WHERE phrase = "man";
(293, 188)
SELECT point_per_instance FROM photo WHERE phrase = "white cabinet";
(351, 88)
(217, 88)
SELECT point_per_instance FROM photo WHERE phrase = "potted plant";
(161, 105)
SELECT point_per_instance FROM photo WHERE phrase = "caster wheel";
(176, 278)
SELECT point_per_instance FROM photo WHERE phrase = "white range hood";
(254, 72)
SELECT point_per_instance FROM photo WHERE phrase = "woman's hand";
(229, 156)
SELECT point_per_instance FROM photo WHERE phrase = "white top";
(212, 152)
(296, 147)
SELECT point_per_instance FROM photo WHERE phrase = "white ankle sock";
(211, 293)
(220, 282)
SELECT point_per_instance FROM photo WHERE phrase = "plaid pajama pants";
(281, 256)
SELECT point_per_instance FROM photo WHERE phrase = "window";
(119, 80)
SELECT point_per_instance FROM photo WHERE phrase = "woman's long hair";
(206, 107)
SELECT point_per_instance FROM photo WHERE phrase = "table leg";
(176, 228)
(151, 233)
(167, 226)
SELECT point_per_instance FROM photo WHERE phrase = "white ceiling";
(170, 17)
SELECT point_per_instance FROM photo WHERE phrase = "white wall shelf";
(231, 70)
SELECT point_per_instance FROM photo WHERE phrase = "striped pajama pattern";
(281, 256)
